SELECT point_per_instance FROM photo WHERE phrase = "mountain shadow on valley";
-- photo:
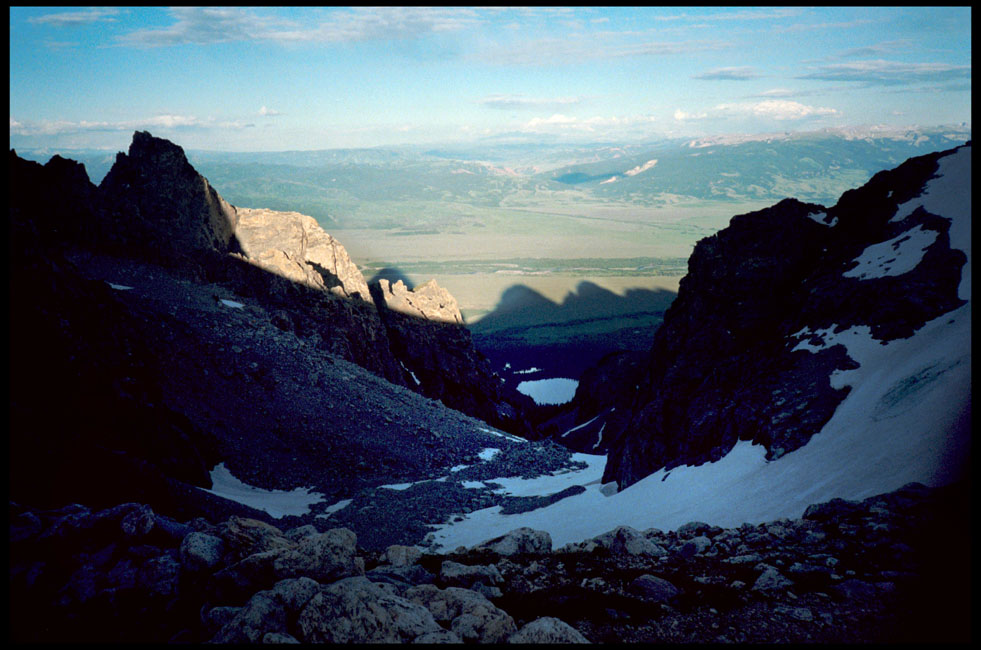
(526, 330)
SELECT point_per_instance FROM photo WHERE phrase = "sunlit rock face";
(741, 354)
(294, 246)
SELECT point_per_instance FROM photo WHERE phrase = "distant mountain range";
(335, 186)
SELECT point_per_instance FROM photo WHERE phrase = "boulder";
(469, 614)
(325, 557)
(245, 537)
(629, 541)
(355, 610)
(547, 630)
(261, 615)
(399, 555)
(462, 575)
(771, 581)
(520, 540)
(653, 588)
(200, 551)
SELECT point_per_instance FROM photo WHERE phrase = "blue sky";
(250, 79)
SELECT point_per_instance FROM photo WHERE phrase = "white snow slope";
(906, 419)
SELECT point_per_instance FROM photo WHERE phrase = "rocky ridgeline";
(875, 570)
(153, 206)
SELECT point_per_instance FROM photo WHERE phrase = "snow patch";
(899, 255)
(232, 304)
(278, 503)
(488, 453)
(820, 217)
(340, 505)
(576, 428)
(118, 287)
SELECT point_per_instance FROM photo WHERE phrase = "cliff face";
(728, 363)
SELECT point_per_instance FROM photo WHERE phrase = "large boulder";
(520, 540)
(469, 614)
(547, 630)
(355, 610)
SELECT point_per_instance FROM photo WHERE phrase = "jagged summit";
(158, 201)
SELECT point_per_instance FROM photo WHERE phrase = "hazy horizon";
(298, 79)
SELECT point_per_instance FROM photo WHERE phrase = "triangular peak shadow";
(521, 306)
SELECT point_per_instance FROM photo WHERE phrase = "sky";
(273, 79)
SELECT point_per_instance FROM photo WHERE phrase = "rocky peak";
(428, 301)
(159, 202)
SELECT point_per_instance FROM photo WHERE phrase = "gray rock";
(294, 246)
(470, 615)
(325, 557)
(462, 575)
(520, 540)
(856, 589)
(630, 541)
(691, 529)
(298, 533)
(695, 545)
(245, 537)
(771, 581)
(443, 636)
(200, 551)
(215, 618)
(547, 630)
(262, 614)
(160, 576)
(278, 637)
(402, 577)
(399, 555)
(654, 588)
(295, 593)
(354, 610)
(253, 573)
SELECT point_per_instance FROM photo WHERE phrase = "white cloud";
(74, 18)
(682, 116)
(163, 121)
(206, 25)
(510, 102)
(602, 45)
(777, 92)
(777, 109)
(268, 112)
(877, 49)
(888, 73)
(740, 73)
(597, 125)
